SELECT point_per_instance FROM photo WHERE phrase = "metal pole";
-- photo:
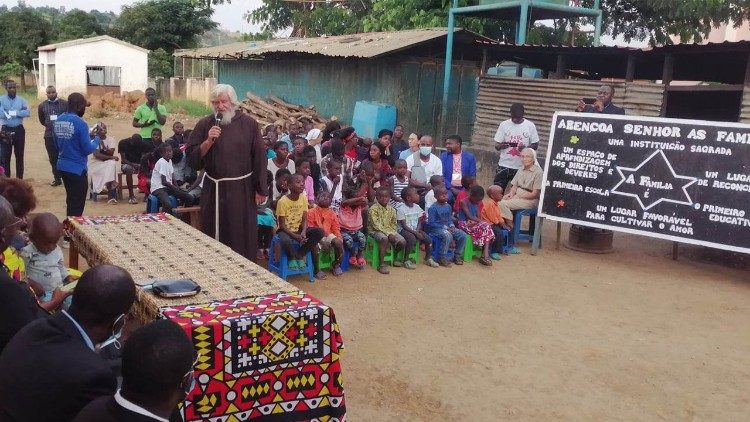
(448, 65)
(523, 23)
(598, 24)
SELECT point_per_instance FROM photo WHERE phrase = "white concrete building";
(92, 66)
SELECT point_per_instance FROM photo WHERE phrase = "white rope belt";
(216, 196)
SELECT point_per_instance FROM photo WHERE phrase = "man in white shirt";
(162, 180)
(513, 135)
(430, 163)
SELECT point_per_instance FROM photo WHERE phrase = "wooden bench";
(195, 215)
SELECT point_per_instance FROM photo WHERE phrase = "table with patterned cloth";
(267, 351)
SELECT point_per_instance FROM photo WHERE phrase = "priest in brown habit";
(229, 146)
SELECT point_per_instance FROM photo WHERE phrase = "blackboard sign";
(681, 180)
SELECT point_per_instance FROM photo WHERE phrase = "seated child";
(398, 182)
(298, 144)
(195, 188)
(309, 153)
(490, 213)
(429, 198)
(303, 168)
(145, 170)
(281, 185)
(325, 218)
(332, 183)
(460, 194)
(266, 222)
(383, 227)
(350, 220)
(291, 211)
(368, 175)
(469, 221)
(45, 265)
(440, 224)
(162, 181)
(411, 218)
(363, 149)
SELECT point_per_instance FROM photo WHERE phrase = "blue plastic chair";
(280, 265)
(436, 244)
(519, 234)
(152, 204)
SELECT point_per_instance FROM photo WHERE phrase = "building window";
(103, 75)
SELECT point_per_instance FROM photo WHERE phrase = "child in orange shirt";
(490, 213)
(323, 217)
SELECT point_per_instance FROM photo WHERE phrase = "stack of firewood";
(280, 113)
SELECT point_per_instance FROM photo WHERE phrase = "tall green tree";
(165, 24)
(77, 24)
(656, 20)
(652, 20)
(23, 30)
(160, 64)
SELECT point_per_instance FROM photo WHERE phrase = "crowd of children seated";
(360, 196)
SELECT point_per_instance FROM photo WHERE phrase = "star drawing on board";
(654, 181)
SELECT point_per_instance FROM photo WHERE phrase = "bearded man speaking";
(229, 146)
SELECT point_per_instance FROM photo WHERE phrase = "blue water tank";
(371, 117)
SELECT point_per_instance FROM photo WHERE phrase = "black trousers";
(503, 176)
(313, 236)
(52, 154)
(19, 143)
(76, 187)
(265, 234)
(163, 195)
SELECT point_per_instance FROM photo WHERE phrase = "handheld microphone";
(218, 118)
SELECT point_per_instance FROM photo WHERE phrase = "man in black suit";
(50, 370)
(18, 306)
(157, 373)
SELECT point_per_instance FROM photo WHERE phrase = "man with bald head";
(602, 104)
(50, 370)
(18, 306)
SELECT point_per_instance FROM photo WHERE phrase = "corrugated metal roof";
(70, 43)
(364, 45)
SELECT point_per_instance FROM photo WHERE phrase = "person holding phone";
(513, 135)
(149, 115)
(601, 104)
(75, 142)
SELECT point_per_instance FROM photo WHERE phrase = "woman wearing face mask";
(429, 165)
(413, 146)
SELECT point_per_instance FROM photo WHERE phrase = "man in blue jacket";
(74, 143)
(457, 163)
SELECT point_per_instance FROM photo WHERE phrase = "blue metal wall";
(334, 86)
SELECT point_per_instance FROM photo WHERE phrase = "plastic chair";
(437, 242)
(152, 205)
(471, 251)
(326, 258)
(280, 265)
(372, 253)
(519, 234)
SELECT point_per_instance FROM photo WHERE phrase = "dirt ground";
(563, 335)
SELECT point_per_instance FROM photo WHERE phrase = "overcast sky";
(229, 16)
